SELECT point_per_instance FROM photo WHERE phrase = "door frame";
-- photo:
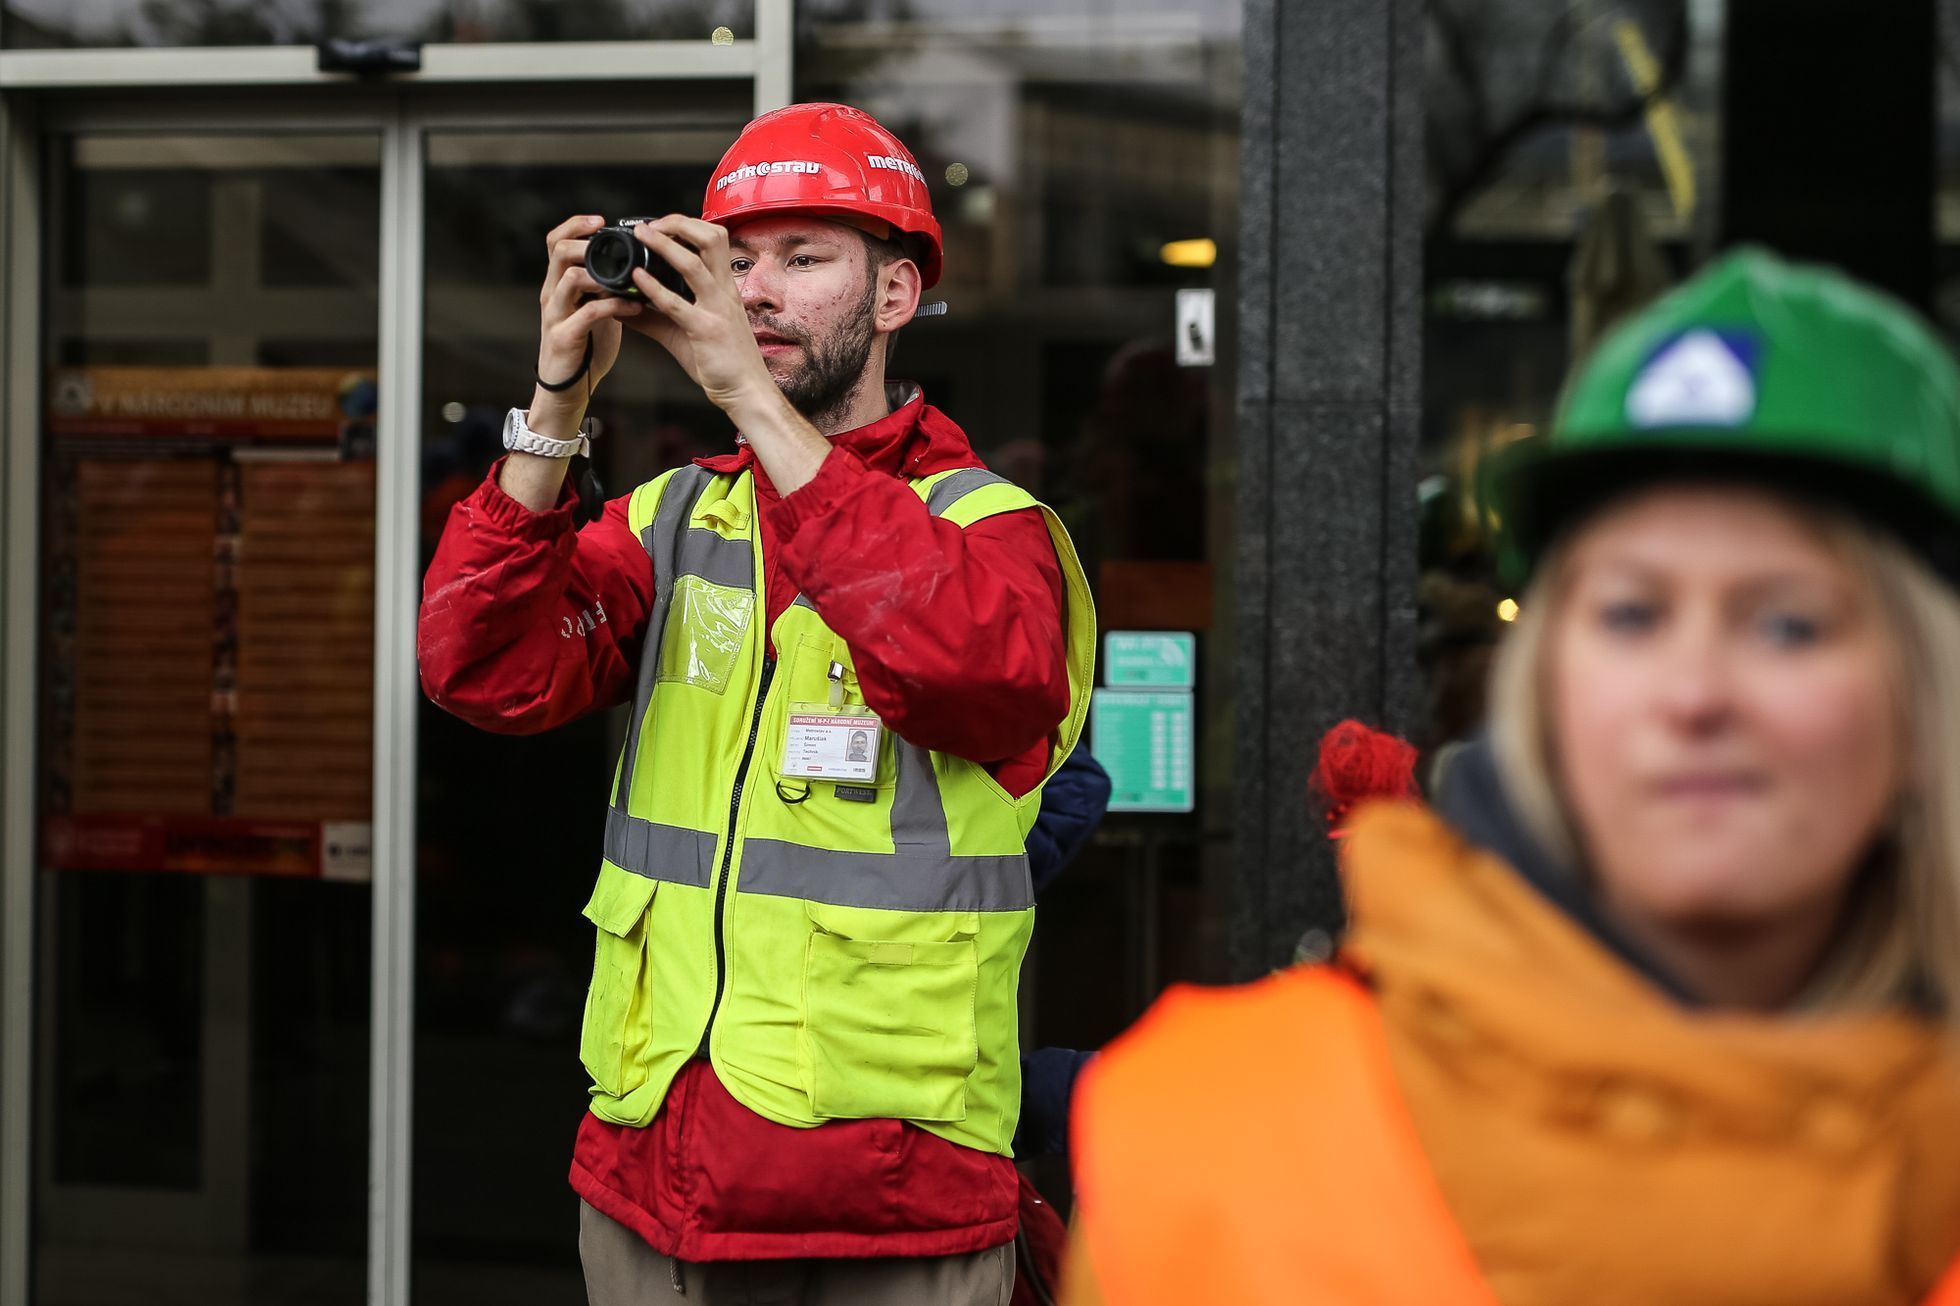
(275, 90)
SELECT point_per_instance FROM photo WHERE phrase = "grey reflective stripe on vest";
(659, 852)
(662, 539)
(919, 874)
(950, 491)
(727, 562)
(907, 880)
(803, 601)
(918, 816)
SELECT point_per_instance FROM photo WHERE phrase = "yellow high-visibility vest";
(839, 950)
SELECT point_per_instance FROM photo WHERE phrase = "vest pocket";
(806, 680)
(706, 627)
(888, 1026)
(618, 1026)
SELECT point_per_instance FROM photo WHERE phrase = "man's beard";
(823, 388)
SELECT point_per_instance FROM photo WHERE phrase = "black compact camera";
(613, 251)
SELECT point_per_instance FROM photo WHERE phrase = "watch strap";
(520, 438)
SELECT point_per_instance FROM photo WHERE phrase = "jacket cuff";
(508, 514)
(841, 473)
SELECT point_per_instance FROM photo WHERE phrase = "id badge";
(827, 744)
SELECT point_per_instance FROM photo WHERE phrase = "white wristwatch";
(520, 437)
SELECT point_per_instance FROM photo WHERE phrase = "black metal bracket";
(381, 58)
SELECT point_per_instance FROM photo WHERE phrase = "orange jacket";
(1496, 1110)
(1219, 1212)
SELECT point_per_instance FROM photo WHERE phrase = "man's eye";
(740, 265)
(802, 261)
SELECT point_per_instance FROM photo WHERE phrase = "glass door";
(205, 699)
(502, 953)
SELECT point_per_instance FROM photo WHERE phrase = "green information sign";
(1160, 659)
(1144, 739)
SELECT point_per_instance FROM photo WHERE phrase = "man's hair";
(881, 254)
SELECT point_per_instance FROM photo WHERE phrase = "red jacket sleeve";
(527, 623)
(957, 634)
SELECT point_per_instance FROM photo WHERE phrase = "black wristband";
(572, 380)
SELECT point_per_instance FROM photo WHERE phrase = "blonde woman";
(1661, 1004)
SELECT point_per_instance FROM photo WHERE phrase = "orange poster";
(212, 615)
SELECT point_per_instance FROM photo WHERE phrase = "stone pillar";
(1329, 397)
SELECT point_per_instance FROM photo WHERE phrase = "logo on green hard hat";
(1702, 377)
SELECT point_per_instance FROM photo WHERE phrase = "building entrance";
(253, 336)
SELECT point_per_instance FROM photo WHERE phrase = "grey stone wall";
(1328, 410)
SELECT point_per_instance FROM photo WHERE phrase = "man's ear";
(899, 286)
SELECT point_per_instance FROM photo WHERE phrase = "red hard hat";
(826, 159)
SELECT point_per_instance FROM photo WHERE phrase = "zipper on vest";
(728, 855)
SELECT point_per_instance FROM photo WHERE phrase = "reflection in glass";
(206, 703)
(60, 24)
(1571, 158)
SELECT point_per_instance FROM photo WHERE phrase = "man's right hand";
(564, 325)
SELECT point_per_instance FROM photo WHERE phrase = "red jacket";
(959, 646)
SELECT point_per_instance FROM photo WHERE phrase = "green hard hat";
(1762, 372)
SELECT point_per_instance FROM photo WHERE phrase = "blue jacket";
(1072, 806)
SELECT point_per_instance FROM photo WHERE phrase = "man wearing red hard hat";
(854, 656)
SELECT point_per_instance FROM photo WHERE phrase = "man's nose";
(762, 288)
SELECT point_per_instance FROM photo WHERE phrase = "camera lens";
(614, 252)
(611, 255)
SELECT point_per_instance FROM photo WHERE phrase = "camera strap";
(584, 365)
(591, 497)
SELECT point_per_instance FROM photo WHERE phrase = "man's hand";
(714, 343)
(564, 326)
(711, 338)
